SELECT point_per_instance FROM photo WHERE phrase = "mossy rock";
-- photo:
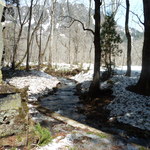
(13, 114)
(10, 102)
(7, 89)
(12, 125)
(14, 140)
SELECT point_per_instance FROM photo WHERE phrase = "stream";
(65, 102)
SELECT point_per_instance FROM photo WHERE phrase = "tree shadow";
(96, 116)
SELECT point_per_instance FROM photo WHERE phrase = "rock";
(12, 120)
(4, 88)
(10, 102)
(13, 141)
(1, 39)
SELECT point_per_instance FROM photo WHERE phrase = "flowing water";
(66, 103)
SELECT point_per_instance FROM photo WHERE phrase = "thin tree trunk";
(20, 62)
(51, 33)
(109, 64)
(69, 47)
(69, 43)
(39, 44)
(16, 47)
(28, 36)
(95, 85)
(128, 73)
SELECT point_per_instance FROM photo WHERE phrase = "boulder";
(10, 102)
(12, 119)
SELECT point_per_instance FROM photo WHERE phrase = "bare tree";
(95, 85)
(111, 7)
(39, 44)
(76, 41)
(31, 33)
(28, 35)
(22, 22)
(39, 35)
(53, 3)
(69, 41)
(128, 73)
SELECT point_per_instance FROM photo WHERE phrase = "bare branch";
(135, 15)
(38, 23)
(73, 20)
(142, 28)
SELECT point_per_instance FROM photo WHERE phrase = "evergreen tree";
(110, 40)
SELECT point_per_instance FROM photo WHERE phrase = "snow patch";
(38, 83)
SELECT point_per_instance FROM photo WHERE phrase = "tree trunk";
(28, 36)
(51, 33)
(95, 85)
(16, 47)
(128, 73)
(143, 85)
(39, 44)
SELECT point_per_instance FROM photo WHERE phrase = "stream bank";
(66, 103)
(65, 136)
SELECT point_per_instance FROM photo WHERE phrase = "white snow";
(57, 25)
(82, 77)
(58, 143)
(64, 66)
(62, 35)
(38, 83)
(32, 21)
(122, 70)
(86, 78)
(45, 26)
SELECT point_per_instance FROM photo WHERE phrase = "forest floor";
(118, 114)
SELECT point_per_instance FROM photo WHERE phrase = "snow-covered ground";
(38, 83)
(127, 107)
